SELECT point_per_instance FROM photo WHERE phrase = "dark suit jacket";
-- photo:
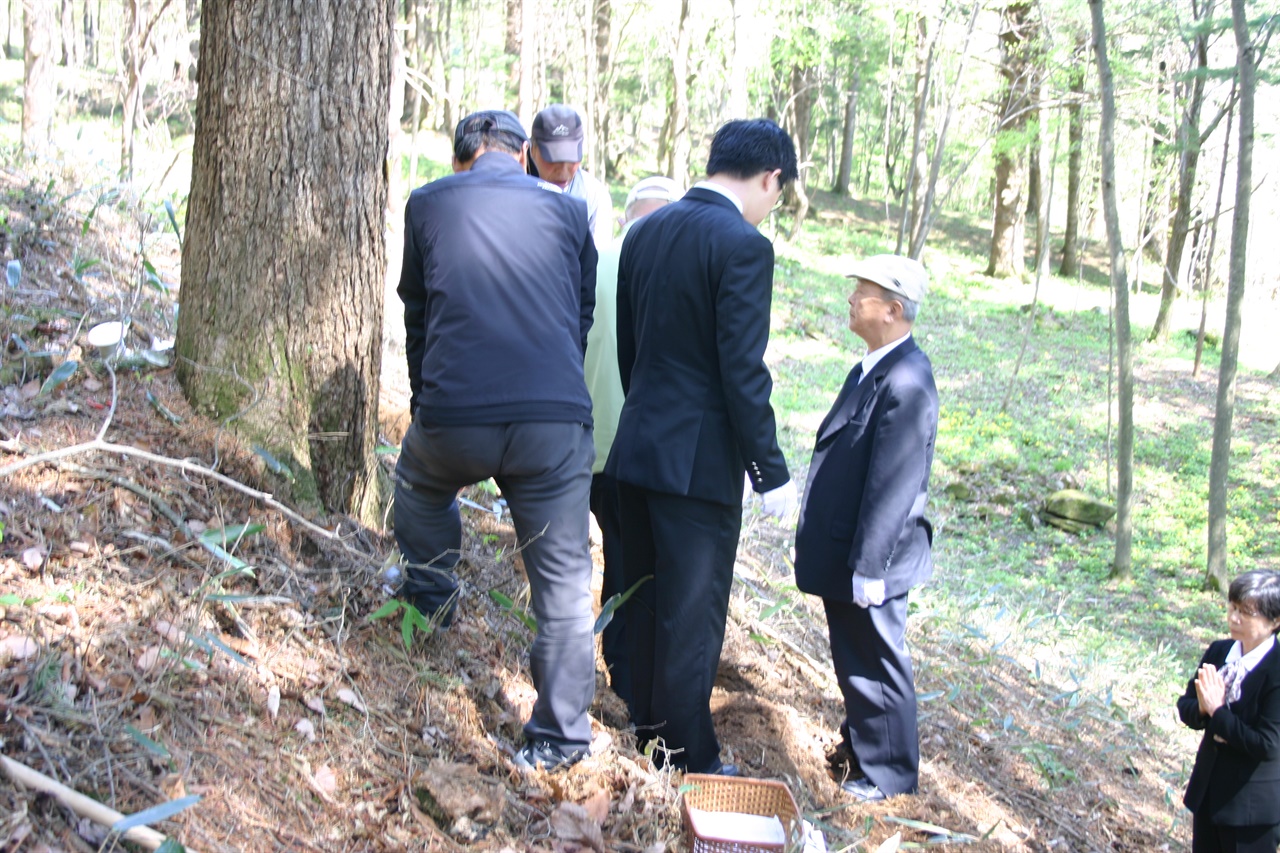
(695, 282)
(1237, 783)
(863, 508)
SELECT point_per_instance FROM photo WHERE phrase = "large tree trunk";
(39, 85)
(678, 113)
(1220, 462)
(284, 257)
(1123, 563)
(1075, 156)
(1007, 258)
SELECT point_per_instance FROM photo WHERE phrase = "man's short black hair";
(748, 147)
(1258, 590)
(494, 130)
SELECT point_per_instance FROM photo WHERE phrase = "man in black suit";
(695, 284)
(863, 541)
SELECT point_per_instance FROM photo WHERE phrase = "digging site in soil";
(169, 629)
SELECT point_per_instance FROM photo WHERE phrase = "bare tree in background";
(39, 86)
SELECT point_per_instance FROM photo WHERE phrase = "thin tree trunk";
(283, 263)
(915, 173)
(841, 186)
(1220, 462)
(67, 30)
(743, 11)
(39, 85)
(925, 223)
(1213, 236)
(1189, 144)
(1123, 563)
(678, 164)
(90, 36)
(1075, 156)
(604, 88)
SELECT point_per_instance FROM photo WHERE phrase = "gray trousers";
(544, 471)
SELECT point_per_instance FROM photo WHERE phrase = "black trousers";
(544, 471)
(613, 641)
(1209, 837)
(873, 668)
(675, 621)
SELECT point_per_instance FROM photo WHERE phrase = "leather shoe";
(862, 790)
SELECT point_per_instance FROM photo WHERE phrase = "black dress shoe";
(862, 790)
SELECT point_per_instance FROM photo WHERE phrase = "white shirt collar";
(724, 191)
(1251, 660)
(871, 359)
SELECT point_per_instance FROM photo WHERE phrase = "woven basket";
(744, 796)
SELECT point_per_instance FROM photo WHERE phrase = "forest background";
(964, 134)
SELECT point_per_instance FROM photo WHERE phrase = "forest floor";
(137, 667)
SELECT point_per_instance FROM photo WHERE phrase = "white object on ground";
(737, 828)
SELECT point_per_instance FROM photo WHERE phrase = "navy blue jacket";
(864, 500)
(695, 283)
(1236, 782)
(498, 285)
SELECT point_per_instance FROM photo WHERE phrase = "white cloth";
(724, 191)
(781, 502)
(871, 359)
(868, 592)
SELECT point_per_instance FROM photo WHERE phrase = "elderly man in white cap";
(603, 382)
(863, 541)
(556, 156)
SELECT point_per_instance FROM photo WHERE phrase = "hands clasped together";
(1211, 691)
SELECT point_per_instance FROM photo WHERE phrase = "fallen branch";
(183, 465)
(95, 811)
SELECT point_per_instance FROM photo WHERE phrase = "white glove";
(747, 489)
(868, 592)
(781, 502)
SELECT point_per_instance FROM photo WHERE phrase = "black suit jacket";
(863, 508)
(1237, 783)
(695, 283)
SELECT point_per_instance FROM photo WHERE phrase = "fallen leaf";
(173, 786)
(147, 660)
(325, 780)
(169, 631)
(597, 805)
(315, 703)
(18, 647)
(459, 790)
(146, 718)
(891, 844)
(33, 557)
(307, 730)
(349, 696)
(273, 701)
(570, 822)
(31, 389)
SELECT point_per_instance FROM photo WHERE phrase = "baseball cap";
(658, 186)
(489, 120)
(895, 273)
(557, 131)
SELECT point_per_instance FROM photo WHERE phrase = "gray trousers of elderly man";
(544, 472)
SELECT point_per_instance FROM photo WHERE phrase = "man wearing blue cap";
(863, 541)
(498, 285)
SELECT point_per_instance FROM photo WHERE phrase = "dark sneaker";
(862, 790)
(542, 755)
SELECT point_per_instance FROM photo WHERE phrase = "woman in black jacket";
(1234, 791)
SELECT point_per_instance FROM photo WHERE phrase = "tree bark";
(1220, 461)
(526, 98)
(739, 61)
(1075, 156)
(1122, 565)
(284, 257)
(133, 86)
(39, 85)
(915, 170)
(90, 36)
(599, 140)
(70, 40)
(1007, 258)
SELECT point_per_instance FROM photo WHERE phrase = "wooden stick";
(80, 804)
